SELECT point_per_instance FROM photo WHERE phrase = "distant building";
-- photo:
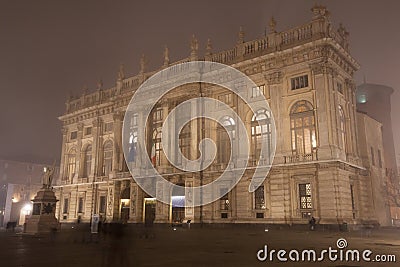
(371, 154)
(374, 100)
(19, 183)
(320, 167)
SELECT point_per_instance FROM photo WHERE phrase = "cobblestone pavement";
(207, 246)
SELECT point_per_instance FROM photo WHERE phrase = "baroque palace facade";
(321, 167)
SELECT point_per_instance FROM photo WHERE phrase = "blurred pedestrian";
(312, 223)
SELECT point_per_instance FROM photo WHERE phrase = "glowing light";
(362, 99)
(27, 209)
(125, 202)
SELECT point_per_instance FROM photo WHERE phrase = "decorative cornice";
(273, 77)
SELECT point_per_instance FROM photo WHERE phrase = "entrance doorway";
(125, 205)
(149, 210)
(178, 205)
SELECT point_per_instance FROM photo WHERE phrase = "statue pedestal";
(43, 219)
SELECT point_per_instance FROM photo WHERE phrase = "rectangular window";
(372, 156)
(305, 196)
(74, 135)
(134, 119)
(224, 200)
(353, 206)
(299, 82)
(259, 198)
(108, 127)
(379, 158)
(258, 90)
(66, 205)
(80, 205)
(158, 115)
(88, 130)
(102, 204)
(226, 98)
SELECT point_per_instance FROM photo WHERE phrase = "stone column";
(62, 160)
(279, 112)
(96, 147)
(118, 151)
(323, 110)
(134, 212)
(162, 209)
(79, 151)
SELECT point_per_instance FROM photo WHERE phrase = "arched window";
(184, 140)
(156, 147)
(132, 151)
(87, 161)
(156, 135)
(71, 164)
(107, 157)
(342, 128)
(133, 147)
(225, 128)
(261, 129)
(302, 126)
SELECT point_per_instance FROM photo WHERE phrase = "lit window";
(156, 147)
(87, 165)
(302, 125)
(224, 200)
(258, 90)
(225, 131)
(107, 158)
(156, 135)
(305, 196)
(259, 198)
(261, 132)
(71, 164)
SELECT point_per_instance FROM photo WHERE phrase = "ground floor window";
(224, 201)
(102, 204)
(353, 204)
(80, 205)
(259, 198)
(305, 199)
(66, 205)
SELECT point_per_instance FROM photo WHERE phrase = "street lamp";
(27, 209)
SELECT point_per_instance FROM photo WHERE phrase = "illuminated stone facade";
(305, 73)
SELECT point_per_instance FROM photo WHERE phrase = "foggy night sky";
(52, 48)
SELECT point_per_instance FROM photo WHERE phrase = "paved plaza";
(180, 246)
